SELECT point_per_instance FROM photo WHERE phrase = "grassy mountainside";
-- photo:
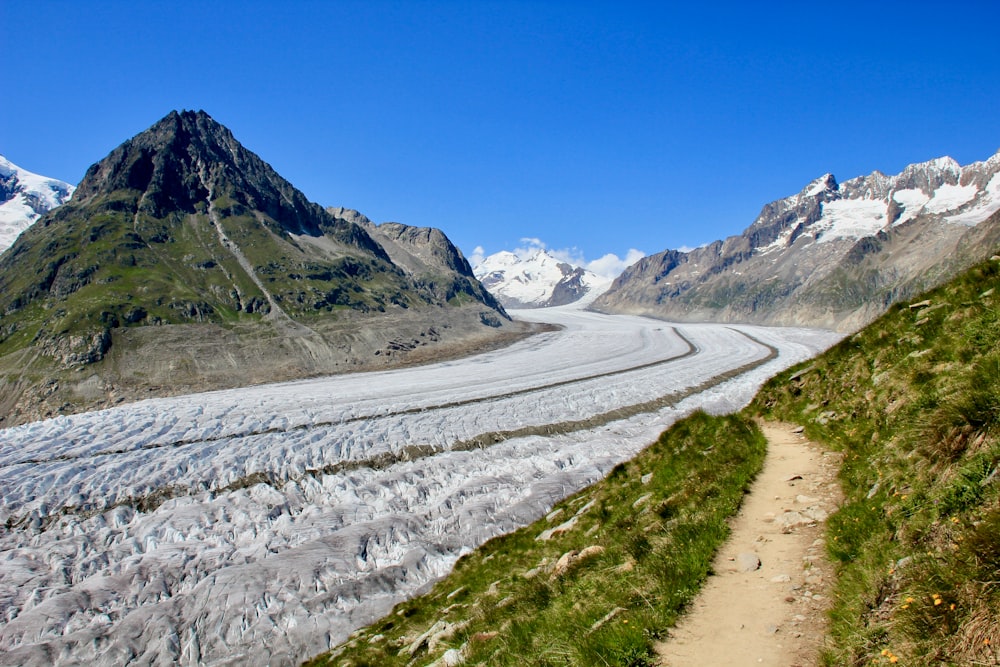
(184, 262)
(913, 401)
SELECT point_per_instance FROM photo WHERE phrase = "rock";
(607, 617)
(564, 563)
(639, 501)
(790, 520)
(747, 562)
(817, 514)
(780, 579)
(799, 429)
(805, 500)
(647, 478)
(564, 527)
(452, 658)
(571, 558)
(437, 633)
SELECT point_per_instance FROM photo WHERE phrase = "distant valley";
(238, 426)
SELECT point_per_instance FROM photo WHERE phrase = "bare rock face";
(835, 255)
(428, 256)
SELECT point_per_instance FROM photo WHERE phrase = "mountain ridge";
(832, 255)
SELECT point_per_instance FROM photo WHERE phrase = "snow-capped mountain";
(537, 281)
(833, 255)
(25, 197)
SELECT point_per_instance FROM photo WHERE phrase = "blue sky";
(595, 127)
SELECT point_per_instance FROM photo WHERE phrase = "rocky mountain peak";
(832, 255)
(188, 162)
(823, 184)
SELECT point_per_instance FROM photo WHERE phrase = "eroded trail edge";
(767, 599)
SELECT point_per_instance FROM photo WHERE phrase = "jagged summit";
(833, 255)
(187, 159)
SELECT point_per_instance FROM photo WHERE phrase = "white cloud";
(569, 255)
(529, 246)
(477, 256)
(611, 265)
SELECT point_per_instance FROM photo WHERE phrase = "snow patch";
(851, 218)
(989, 203)
(949, 197)
(31, 197)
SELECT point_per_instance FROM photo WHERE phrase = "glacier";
(261, 526)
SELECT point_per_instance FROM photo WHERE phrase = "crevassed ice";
(272, 573)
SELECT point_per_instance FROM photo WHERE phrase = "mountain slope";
(538, 281)
(913, 402)
(182, 226)
(834, 255)
(24, 197)
(426, 255)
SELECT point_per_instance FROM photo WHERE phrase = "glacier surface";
(260, 526)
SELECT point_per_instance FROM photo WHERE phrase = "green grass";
(913, 401)
(648, 533)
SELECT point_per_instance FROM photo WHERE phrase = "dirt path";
(770, 612)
